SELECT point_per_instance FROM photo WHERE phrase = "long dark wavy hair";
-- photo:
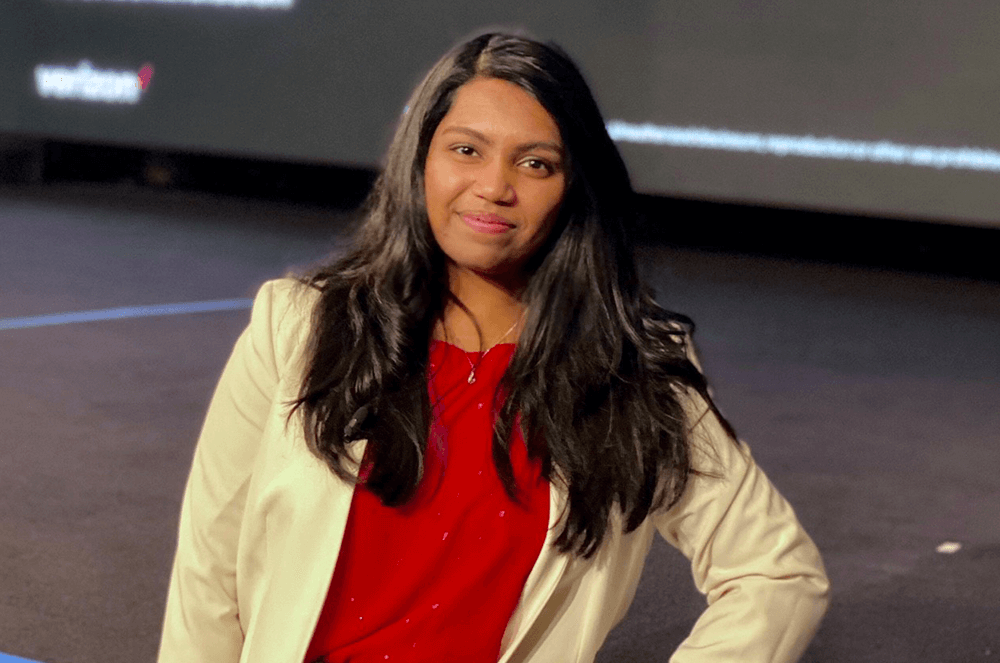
(600, 370)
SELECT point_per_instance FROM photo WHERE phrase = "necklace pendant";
(472, 377)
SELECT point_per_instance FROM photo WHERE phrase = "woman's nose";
(495, 183)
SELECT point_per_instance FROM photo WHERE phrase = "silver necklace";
(473, 367)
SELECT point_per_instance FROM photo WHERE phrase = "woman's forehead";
(495, 109)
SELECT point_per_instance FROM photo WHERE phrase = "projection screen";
(848, 106)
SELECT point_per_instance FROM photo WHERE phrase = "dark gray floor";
(870, 398)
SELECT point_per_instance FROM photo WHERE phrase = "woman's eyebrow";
(523, 147)
(541, 144)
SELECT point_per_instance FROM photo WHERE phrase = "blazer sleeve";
(201, 623)
(762, 575)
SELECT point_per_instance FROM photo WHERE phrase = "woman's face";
(494, 179)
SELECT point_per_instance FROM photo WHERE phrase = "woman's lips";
(492, 224)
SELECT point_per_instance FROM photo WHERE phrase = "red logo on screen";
(145, 76)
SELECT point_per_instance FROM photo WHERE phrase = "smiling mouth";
(492, 224)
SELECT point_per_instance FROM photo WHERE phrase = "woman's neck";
(494, 306)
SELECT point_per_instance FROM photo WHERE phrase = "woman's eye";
(465, 150)
(538, 164)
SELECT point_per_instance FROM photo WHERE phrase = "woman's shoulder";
(285, 301)
(289, 294)
(282, 310)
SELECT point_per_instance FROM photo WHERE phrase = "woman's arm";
(761, 573)
(201, 624)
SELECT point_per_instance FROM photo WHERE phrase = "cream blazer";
(262, 521)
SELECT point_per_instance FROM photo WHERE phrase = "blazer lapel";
(548, 570)
(297, 588)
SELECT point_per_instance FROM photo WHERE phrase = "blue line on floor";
(122, 313)
(7, 658)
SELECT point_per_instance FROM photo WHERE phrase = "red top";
(438, 579)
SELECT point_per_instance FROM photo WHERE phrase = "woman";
(457, 441)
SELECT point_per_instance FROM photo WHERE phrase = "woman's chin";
(495, 271)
